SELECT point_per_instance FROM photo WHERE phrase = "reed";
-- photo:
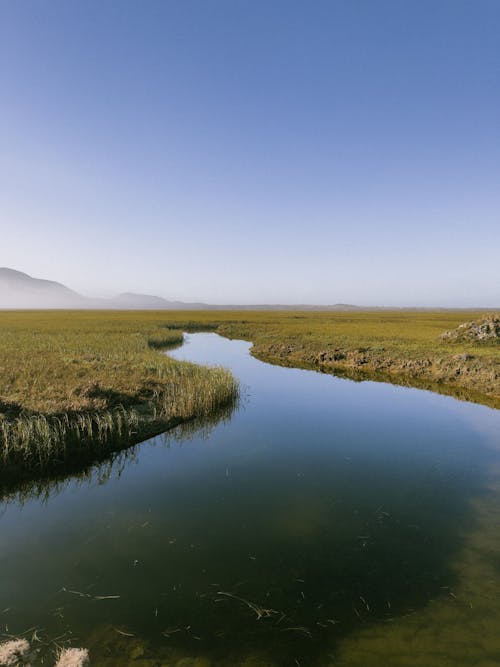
(77, 385)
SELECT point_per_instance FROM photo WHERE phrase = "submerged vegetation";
(78, 385)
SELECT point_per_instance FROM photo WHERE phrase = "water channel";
(324, 522)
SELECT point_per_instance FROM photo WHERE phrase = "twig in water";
(125, 634)
(171, 631)
(259, 611)
(106, 597)
(82, 595)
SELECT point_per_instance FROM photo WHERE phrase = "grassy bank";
(402, 347)
(74, 385)
(79, 384)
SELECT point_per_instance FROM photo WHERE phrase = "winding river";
(325, 522)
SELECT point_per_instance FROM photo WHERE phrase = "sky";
(254, 151)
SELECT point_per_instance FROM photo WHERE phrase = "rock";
(487, 329)
(73, 657)
(14, 653)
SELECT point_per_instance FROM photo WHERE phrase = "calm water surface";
(325, 522)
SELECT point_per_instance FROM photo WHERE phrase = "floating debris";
(106, 597)
(88, 595)
(261, 612)
(124, 634)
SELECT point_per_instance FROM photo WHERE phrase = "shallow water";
(326, 522)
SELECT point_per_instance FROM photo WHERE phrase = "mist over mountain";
(19, 290)
(132, 301)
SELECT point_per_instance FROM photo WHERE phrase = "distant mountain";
(288, 306)
(132, 301)
(19, 290)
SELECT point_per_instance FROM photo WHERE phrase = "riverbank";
(75, 386)
(403, 347)
(400, 347)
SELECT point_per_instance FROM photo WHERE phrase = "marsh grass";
(104, 464)
(76, 385)
(401, 346)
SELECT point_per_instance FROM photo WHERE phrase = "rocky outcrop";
(484, 330)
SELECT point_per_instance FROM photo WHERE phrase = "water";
(326, 522)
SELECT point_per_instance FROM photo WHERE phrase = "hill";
(19, 290)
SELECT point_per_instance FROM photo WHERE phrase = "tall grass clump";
(77, 385)
(41, 440)
(196, 391)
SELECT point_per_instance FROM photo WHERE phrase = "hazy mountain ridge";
(132, 301)
(19, 280)
(19, 290)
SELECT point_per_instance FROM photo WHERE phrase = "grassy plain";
(74, 381)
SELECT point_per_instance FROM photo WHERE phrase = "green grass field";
(78, 382)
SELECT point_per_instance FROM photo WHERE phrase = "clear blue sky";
(254, 151)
